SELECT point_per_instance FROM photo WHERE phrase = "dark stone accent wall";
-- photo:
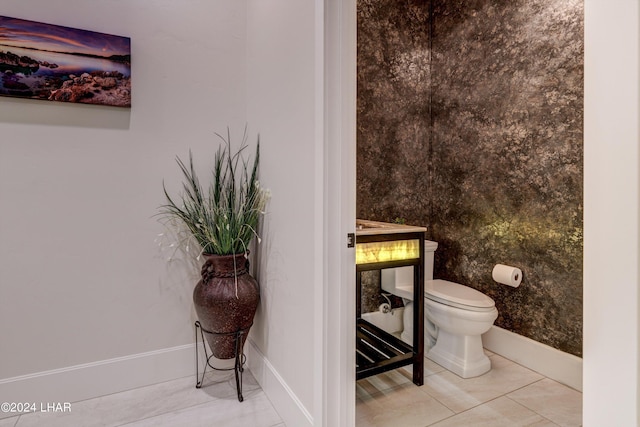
(393, 110)
(371, 297)
(497, 171)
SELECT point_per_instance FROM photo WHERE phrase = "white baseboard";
(548, 361)
(284, 400)
(95, 379)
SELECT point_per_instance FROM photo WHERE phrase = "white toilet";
(455, 318)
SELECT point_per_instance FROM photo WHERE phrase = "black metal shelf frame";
(376, 350)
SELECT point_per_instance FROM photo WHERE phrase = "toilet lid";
(457, 295)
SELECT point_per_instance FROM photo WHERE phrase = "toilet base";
(462, 355)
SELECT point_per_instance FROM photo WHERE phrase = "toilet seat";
(457, 295)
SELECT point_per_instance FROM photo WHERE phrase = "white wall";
(611, 275)
(81, 278)
(282, 92)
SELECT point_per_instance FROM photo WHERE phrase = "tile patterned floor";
(509, 395)
(169, 404)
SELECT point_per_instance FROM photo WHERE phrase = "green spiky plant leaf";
(224, 218)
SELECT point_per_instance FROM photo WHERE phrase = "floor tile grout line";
(228, 395)
(530, 380)
(275, 410)
(181, 409)
(532, 410)
(17, 417)
(163, 414)
(128, 390)
(489, 401)
(525, 386)
(113, 394)
(466, 410)
(505, 394)
(479, 404)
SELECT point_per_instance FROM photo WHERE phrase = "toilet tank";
(399, 280)
(429, 252)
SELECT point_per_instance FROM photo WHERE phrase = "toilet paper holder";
(507, 275)
(386, 306)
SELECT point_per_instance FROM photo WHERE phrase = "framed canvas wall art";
(56, 63)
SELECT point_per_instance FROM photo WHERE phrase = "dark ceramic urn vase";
(226, 299)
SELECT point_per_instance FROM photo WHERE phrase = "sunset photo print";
(56, 63)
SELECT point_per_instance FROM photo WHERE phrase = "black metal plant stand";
(239, 356)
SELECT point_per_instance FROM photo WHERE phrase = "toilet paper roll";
(507, 275)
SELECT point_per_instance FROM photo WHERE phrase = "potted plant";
(223, 218)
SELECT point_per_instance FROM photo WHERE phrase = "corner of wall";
(289, 407)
